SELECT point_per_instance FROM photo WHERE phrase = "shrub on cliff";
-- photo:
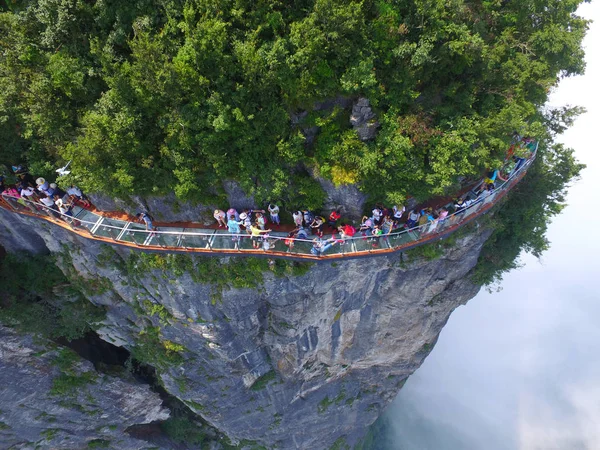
(151, 97)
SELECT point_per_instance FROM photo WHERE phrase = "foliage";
(521, 221)
(98, 443)
(182, 430)
(151, 349)
(70, 380)
(262, 381)
(38, 298)
(152, 97)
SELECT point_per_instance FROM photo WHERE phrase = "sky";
(520, 369)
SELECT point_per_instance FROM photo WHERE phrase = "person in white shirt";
(274, 213)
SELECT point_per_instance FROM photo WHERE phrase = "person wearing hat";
(246, 219)
(42, 185)
(220, 218)
(233, 212)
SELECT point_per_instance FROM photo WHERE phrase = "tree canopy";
(154, 96)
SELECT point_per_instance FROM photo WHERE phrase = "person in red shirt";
(333, 218)
(346, 231)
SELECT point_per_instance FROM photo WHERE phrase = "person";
(26, 178)
(233, 226)
(321, 246)
(426, 216)
(366, 226)
(255, 232)
(274, 213)
(346, 231)
(49, 205)
(375, 235)
(78, 196)
(308, 217)
(300, 233)
(333, 218)
(11, 194)
(246, 219)
(147, 219)
(398, 212)
(28, 193)
(233, 212)
(11, 191)
(42, 185)
(317, 225)
(267, 244)
(2, 184)
(442, 215)
(261, 221)
(486, 191)
(518, 164)
(387, 226)
(64, 207)
(413, 219)
(492, 175)
(219, 216)
(298, 218)
(377, 214)
(289, 241)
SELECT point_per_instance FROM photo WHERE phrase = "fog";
(519, 369)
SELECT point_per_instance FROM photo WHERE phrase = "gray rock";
(238, 199)
(17, 235)
(300, 361)
(363, 120)
(98, 410)
(347, 197)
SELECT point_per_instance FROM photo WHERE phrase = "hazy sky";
(520, 369)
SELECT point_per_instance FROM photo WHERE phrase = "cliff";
(304, 360)
(50, 398)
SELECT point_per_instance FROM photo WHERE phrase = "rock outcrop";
(363, 119)
(49, 398)
(300, 362)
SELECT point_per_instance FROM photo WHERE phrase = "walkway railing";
(95, 225)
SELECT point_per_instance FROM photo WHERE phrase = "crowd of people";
(39, 194)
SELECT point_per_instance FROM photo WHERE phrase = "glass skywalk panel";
(195, 238)
(397, 239)
(170, 237)
(362, 243)
(223, 240)
(87, 219)
(302, 247)
(135, 233)
(110, 228)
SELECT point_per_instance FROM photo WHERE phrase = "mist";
(519, 368)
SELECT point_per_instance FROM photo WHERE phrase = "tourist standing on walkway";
(274, 213)
(148, 220)
(220, 217)
(233, 226)
(256, 232)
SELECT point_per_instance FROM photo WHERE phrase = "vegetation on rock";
(153, 97)
(38, 298)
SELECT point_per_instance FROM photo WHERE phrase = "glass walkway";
(100, 227)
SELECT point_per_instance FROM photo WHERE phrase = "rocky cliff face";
(50, 398)
(302, 361)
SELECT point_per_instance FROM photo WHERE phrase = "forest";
(155, 96)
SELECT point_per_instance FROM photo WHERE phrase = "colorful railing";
(95, 225)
